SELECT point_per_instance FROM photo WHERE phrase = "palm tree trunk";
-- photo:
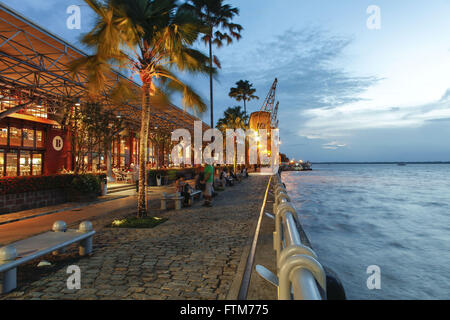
(108, 159)
(142, 194)
(245, 107)
(211, 79)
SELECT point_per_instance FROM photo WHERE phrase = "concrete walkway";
(199, 253)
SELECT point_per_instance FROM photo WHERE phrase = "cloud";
(333, 145)
(305, 63)
(341, 121)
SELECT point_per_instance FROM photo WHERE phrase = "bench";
(193, 195)
(54, 241)
(175, 197)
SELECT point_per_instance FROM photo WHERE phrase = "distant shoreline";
(397, 162)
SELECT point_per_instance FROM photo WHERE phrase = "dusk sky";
(347, 93)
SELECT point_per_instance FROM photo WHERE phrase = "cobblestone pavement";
(194, 255)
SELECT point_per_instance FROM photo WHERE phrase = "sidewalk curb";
(235, 287)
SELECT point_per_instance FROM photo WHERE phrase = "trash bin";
(104, 186)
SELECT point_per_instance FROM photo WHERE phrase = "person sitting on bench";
(184, 189)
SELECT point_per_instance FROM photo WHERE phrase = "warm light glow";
(118, 222)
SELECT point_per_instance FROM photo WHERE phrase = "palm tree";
(233, 119)
(243, 91)
(216, 15)
(151, 38)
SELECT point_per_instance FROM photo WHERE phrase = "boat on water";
(296, 166)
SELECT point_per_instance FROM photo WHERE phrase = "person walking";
(208, 181)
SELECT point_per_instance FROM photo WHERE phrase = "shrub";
(86, 184)
(13, 185)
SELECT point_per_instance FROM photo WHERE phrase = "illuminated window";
(37, 164)
(25, 163)
(15, 137)
(39, 139)
(2, 163)
(3, 136)
(11, 164)
(28, 137)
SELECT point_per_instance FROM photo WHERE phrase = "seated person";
(234, 176)
(184, 189)
(228, 179)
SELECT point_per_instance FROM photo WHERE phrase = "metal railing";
(299, 272)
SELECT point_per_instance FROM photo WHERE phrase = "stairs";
(120, 188)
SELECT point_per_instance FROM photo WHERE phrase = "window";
(39, 139)
(28, 137)
(11, 164)
(3, 136)
(2, 162)
(15, 137)
(37, 164)
(25, 163)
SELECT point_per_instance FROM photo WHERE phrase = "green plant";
(13, 185)
(86, 184)
(138, 223)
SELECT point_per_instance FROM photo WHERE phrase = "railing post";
(85, 246)
(8, 278)
(59, 226)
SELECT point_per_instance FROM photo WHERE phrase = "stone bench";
(37, 246)
(193, 194)
(175, 197)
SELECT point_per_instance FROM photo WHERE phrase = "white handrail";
(300, 274)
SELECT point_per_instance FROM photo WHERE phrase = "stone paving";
(194, 255)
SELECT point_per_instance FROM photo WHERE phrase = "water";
(395, 217)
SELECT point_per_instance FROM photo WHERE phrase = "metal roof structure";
(35, 61)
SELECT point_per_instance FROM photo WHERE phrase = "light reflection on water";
(395, 217)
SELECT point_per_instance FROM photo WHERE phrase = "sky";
(346, 92)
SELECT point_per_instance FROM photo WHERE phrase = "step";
(121, 188)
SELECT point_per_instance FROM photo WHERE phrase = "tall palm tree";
(233, 119)
(151, 38)
(216, 15)
(243, 92)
